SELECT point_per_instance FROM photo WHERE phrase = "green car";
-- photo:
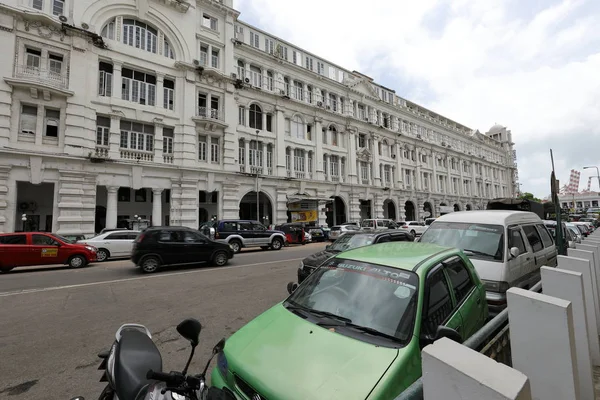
(354, 329)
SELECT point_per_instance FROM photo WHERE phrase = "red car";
(39, 248)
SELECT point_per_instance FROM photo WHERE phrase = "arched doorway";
(428, 210)
(456, 207)
(336, 211)
(389, 209)
(100, 222)
(265, 208)
(468, 207)
(409, 211)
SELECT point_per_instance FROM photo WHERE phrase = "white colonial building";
(178, 112)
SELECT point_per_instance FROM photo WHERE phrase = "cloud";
(533, 66)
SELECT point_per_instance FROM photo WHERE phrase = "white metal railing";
(211, 113)
(51, 78)
(136, 155)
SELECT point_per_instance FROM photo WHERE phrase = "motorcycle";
(133, 368)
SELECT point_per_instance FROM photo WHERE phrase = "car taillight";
(216, 235)
(140, 238)
(405, 226)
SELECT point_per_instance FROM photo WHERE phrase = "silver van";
(506, 247)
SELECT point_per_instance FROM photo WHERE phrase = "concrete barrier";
(568, 285)
(584, 267)
(542, 343)
(590, 255)
(452, 371)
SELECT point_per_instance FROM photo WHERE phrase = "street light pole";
(597, 174)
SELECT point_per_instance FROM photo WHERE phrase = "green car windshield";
(369, 299)
(350, 241)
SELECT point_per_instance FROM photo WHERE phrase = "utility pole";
(554, 191)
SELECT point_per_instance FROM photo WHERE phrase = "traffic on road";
(272, 315)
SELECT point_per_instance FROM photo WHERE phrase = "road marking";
(49, 289)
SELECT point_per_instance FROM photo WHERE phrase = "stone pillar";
(339, 161)
(280, 206)
(551, 363)
(184, 202)
(117, 92)
(354, 207)
(231, 200)
(375, 165)
(470, 374)
(75, 203)
(247, 153)
(160, 84)
(114, 137)
(326, 169)
(568, 285)
(306, 169)
(158, 143)
(111, 206)
(157, 207)
(279, 148)
(264, 158)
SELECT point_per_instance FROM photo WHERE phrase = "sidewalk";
(597, 381)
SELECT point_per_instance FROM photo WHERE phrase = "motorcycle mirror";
(190, 329)
(291, 287)
(78, 398)
(219, 346)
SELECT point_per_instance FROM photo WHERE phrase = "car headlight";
(222, 365)
(90, 248)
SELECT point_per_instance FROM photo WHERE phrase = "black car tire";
(412, 232)
(77, 261)
(104, 252)
(220, 259)
(150, 264)
(236, 246)
(276, 244)
(4, 270)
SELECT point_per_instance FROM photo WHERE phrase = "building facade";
(178, 112)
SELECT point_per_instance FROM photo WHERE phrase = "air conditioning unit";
(393, 156)
(418, 136)
(234, 75)
(320, 103)
(247, 80)
(444, 144)
(196, 62)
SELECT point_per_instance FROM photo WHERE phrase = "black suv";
(239, 233)
(174, 245)
(348, 241)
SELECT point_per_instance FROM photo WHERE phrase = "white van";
(506, 247)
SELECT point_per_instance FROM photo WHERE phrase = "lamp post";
(597, 173)
(257, 170)
(24, 220)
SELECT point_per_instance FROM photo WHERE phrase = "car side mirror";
(446, 332)
(190, 329)
(291, 287)
(514, 252)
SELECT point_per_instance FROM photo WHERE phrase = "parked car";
(106, 230)
(73, 238)
(158, 247)
(307, 237)
(317, 234)
(429, 221)
(355, 328)
(112, 244)
(350, 240)
(338, 230)
(415, 227)
(567, 234)
(39, 248)
(575, 231)
(378, 224)
(508, 248)
(583, 228)
(241, 234)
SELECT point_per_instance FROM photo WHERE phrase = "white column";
(306, 163)
(543, 343)
(339, 162)
(568, 285)
(111, 206)
(326, 168)
(160, 84)
(469, 374)
(158, 143)
(116, 83)
(264, 157)
(247, 151)
(589, 255)
(157, 207)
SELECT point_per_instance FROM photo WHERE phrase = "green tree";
(529, 196)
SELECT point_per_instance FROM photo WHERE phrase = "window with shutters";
(242, 115)
(169, 94)
(202, 147)
(168, 136)
(37, 4)
(254, 40)
(297, 127)
(320, 68)
(269, 46)
(138, 87)
(256, 117)
(51, 122)
(33, 58)
(105, 79)
(215, 150)
(139, 35)
(102, 131)
(58, 7)
(137, 136)
(28, 119)
(308, 64)
(210, 22)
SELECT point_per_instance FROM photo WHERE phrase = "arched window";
(334, 135)
(139, 35)
(297, 127)
(256, 117)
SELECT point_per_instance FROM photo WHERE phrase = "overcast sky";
(530, 65)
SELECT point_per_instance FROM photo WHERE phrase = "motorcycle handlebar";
(171, 377)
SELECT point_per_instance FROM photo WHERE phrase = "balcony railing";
(101, 151)
(44, 76)
(136, 155)
(256, 170)
(242, 168)
(210, 113)
(168, 158)
(299, 174)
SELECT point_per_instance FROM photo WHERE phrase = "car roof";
(402, 255)
(502, 217)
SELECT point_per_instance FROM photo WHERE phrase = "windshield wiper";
(365, 329)
(293, 306)
(478, 253)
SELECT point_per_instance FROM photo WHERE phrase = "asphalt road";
(55, 320)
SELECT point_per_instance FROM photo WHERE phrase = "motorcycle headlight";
(301, 264)
(222, 365)
(110, 367)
